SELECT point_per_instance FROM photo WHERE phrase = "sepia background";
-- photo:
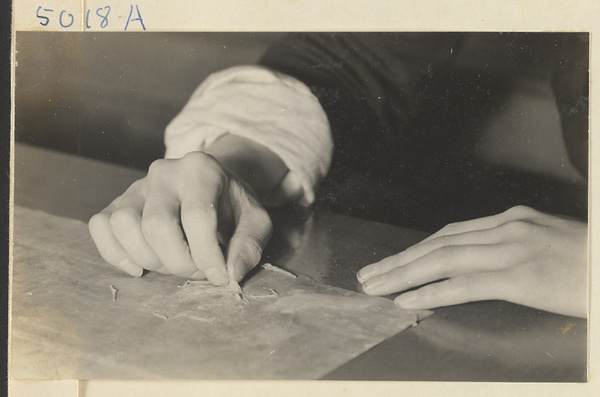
(438, 15)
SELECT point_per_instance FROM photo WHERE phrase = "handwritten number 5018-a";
(66, 19)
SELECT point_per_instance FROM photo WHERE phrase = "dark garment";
(406, 110)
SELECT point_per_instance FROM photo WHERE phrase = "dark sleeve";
(570, 84)
(374, 87)
(563, 59)
(369, 84)
(560, 58)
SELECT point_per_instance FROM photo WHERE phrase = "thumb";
(252, 232)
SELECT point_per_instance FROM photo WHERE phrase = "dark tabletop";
(484, 341)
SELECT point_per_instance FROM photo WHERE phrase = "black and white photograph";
(349, 206)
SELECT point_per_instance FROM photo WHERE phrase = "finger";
(252, 233)
(199, 216)
(126, 226)
(490, 236)
(442, 263)
(109, 247)
(489, 222)
(132, 197)
(290, 189)
(454, 291)
(163, 270)
(161, 229)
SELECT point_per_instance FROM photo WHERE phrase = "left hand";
(521, 256)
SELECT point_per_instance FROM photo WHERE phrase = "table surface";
(483, 341)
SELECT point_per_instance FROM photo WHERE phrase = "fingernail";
(236, 272)
(371, 284)
(365, 274)
(216, 275)
(360, 277)
(131, 268)
(407, 300)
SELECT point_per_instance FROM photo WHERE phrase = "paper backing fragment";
(66, 325)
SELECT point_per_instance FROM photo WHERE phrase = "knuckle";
(138, 184)
(122, 217)
(98, 221)
(194, 157)
(441, 241)
(197, 159)
(153, 223)
(138, 187)
(521, 211)
(197, 164)
(518, 228)
(161, 168)
(199, 213)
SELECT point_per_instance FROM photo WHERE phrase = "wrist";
(251, 162)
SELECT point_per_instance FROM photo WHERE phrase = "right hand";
(173, 221)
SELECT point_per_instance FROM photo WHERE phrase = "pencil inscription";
(94, 18)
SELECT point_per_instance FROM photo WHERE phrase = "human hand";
(521, 256)
(173, 220)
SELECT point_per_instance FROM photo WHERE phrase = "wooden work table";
(484, 341)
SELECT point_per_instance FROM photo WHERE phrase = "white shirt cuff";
(271, 108)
